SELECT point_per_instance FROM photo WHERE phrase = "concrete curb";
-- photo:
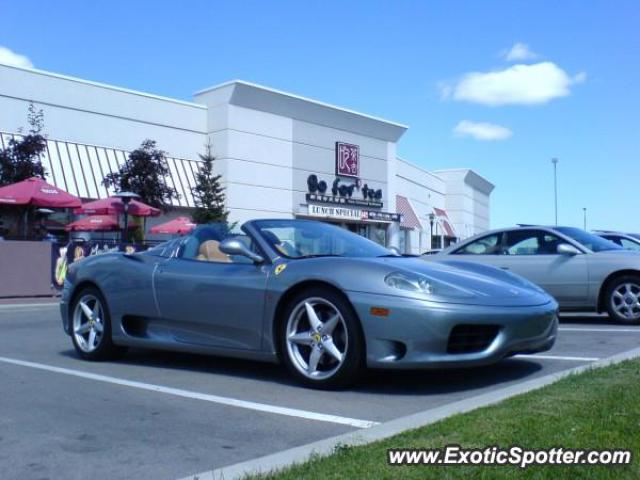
(325, 447)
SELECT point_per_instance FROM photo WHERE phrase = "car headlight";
(409, 282)
(414, 282)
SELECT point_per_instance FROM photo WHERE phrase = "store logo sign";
(347, 159)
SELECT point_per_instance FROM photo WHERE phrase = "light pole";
(432, 218)
(555, 185)
(584, 220)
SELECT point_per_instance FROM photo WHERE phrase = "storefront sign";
(334, 212)
(326, 211)
(375, 215)
(347, 160)
(314, 197)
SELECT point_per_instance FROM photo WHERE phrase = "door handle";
(504, 268)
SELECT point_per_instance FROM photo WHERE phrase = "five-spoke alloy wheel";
(623, 299)
(321, 340)
(91, 326)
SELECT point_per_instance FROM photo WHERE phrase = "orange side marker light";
(379, 312)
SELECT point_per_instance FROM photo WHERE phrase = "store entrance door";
(372, 231)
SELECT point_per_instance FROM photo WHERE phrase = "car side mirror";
(395, 250)
(233, 246)
(567, 249)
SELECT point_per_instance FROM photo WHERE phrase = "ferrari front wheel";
(321, 341)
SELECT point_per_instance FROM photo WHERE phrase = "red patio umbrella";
(95, 223)
(114, 205)
(36, 192)
(176, 226)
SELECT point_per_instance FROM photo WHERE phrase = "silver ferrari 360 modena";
(324, 301)
(582, 271)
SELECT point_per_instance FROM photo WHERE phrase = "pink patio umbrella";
(95, 223)
(38, 193)
(114, 205)
(177, 226)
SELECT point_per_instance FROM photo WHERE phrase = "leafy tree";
(208, 193)
(22, 158)
(144, 173)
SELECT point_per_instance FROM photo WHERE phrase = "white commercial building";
(280, 155)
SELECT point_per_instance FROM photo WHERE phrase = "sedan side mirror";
(567, 249)
(232, 246)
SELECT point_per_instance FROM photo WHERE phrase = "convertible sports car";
(323, 301)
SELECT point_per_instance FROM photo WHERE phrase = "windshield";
(589, 240)
(305, 239)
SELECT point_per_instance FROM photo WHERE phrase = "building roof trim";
(107, 86)
(472, 178)
(288, 105)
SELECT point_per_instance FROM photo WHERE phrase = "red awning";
(95, 223)
(114, 205)
(177, 226)
(443, 219)
(35, 191)
(410, 219)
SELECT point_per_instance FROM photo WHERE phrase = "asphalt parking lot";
(168, 415)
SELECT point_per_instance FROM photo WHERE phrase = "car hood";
(624, 255)
(465, 283)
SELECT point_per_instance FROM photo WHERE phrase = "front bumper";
(415, 333)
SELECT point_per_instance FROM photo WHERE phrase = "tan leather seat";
(210, 252)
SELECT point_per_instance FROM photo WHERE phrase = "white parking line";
(560, 357)
(604, 330)
(27, 306)
(260, 407)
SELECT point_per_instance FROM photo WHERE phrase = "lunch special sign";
(330, 211)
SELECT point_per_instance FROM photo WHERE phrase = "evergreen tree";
(144, 173)
(22, 158)
(208, 193)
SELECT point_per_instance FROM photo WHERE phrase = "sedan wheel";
(321, 341)
(623, 302)
(91, 326)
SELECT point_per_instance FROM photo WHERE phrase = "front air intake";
(471, 338)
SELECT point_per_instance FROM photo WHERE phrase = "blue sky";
(569, 89)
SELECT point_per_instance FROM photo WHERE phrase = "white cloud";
(519, 52)
(516, 85)
(481, 130)
(9, 57)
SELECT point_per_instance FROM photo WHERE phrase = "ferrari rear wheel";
(623, 299)
(91, 326)
(321, 342)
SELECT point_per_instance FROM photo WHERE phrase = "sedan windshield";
(306, 239)
(589, 240)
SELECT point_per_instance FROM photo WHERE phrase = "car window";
(531, 242)
(489, 245)
(303, 239)
(628, 244)
(523, 242)
(589, 240)
(613, 238)
(204, 245)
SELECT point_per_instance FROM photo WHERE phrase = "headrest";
(210, 250)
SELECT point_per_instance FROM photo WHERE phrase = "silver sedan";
(581, 270)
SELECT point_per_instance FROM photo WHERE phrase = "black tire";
(104, 348)
(621, 307)
(349, 331)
